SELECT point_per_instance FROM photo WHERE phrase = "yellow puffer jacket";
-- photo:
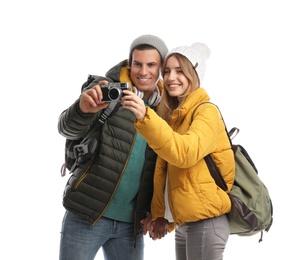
(194, 132)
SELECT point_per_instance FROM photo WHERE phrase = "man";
(107, 198)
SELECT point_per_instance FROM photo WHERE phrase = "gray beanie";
(197, 54)
(152, 40)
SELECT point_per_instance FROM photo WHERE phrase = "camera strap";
(110, 109)
(113, 107)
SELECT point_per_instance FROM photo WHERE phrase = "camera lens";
(114, 94)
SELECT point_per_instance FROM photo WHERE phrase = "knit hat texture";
(197, 54)
(152, 40)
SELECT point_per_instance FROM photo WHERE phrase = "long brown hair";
(168, 103)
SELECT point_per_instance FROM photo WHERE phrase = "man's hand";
(147, 222)
(91, 99)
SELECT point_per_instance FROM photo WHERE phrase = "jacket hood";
(114, 72)
(196, 97)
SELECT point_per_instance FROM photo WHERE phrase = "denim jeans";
(81, 241)
(202, 240)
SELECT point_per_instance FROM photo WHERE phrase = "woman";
(183, 131)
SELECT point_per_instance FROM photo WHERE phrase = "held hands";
(157, 228)
(134, 103)
(91, 99)
(160, 228)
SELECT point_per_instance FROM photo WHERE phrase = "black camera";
(113, 91)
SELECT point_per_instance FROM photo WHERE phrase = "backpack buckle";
(85, 150)
(80, 150)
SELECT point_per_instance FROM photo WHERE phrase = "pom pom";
(202, 48)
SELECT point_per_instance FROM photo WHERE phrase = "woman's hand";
(134, 103)
(159, 228)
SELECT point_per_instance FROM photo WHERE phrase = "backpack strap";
(214, 171)
(81, 147)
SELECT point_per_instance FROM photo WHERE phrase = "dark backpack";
(82, 150)
(252, 209)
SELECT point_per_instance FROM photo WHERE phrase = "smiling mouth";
(173, 86)
(143, 79)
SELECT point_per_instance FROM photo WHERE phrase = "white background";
(254, 74)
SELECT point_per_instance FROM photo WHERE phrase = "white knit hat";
(197, 54)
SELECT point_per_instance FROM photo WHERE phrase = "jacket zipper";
(117, 182)
(83, 176)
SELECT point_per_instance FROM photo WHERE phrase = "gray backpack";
(252, 210)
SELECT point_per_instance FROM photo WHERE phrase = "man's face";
(145, 68)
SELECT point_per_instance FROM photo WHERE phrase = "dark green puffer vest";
(91, 186)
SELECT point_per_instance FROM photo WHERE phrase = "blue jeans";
(81, 241)
(202, 240)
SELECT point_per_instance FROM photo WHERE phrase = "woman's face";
(175, 81)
